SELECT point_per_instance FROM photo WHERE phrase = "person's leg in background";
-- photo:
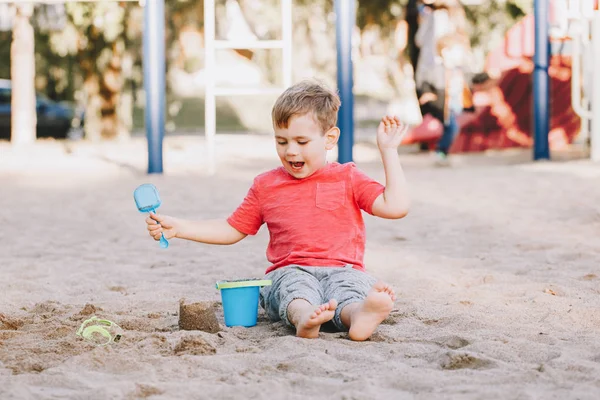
(450, 130)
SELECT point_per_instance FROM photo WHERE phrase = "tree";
(23, 104)
(97, 36)
(95, 57)
(100, 50)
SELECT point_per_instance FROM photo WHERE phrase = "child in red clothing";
(312, 209)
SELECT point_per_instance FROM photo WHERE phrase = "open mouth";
(296, 165)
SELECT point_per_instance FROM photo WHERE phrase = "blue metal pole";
(345, 20)
(541, 82)
(154, 81)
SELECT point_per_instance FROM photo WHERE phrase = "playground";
(495, 269)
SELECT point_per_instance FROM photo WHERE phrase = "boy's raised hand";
(390, 133)
(161, 224)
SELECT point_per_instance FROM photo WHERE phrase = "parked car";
(54, 119)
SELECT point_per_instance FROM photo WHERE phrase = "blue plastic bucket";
(240, 301)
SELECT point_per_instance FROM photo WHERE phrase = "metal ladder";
(586, 34)
(212, 91)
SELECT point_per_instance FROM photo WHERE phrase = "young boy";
(312, 209)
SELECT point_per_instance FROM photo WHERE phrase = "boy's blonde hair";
(308, 96)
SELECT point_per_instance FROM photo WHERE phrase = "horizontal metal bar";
(248, 44)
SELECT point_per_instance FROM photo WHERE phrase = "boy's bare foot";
(307, 319)
(364, 317)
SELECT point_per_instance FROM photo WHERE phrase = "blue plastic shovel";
(147, 200)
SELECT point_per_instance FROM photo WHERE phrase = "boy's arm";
(393, 203)
(217, 231)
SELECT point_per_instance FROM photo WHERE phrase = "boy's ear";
(331, 137)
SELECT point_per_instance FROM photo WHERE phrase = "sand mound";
(495, 269)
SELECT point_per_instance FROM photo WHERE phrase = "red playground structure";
(504, 106)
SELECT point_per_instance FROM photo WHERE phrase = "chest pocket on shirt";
(331, 196)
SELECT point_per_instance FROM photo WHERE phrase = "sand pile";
(496, 270)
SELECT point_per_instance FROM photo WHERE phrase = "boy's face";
(302, 146)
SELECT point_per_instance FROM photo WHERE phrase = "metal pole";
(286, 17)
(595, 134)
(541, 82)
(345, 18)
(210, 104)
(154, 81)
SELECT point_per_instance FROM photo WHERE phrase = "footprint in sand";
(153, 343)
(596, 358)
(394, 317)
(119, 289)
(248, 349)
(47, 310)
(284, 367)
(143, 391)
(379, 337)
(463, 360)
(194, 345)
(452, 342)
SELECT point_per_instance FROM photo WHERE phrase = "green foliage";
(489, 23)
(92, 28)
(489, 18)
(380, 12)
(5, 39)
(95, 31)
(525, 6)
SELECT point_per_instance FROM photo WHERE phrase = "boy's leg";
(363, 301)
(364, 317)
(307, 319)
(295, 296)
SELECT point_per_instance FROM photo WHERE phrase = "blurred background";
(87, 61)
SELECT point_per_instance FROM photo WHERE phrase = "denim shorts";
(317, 285)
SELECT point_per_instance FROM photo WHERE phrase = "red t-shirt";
(315, 221)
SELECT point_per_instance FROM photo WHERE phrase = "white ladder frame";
(212, 91)
(587, 20)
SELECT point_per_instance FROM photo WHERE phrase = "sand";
(496, 269)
